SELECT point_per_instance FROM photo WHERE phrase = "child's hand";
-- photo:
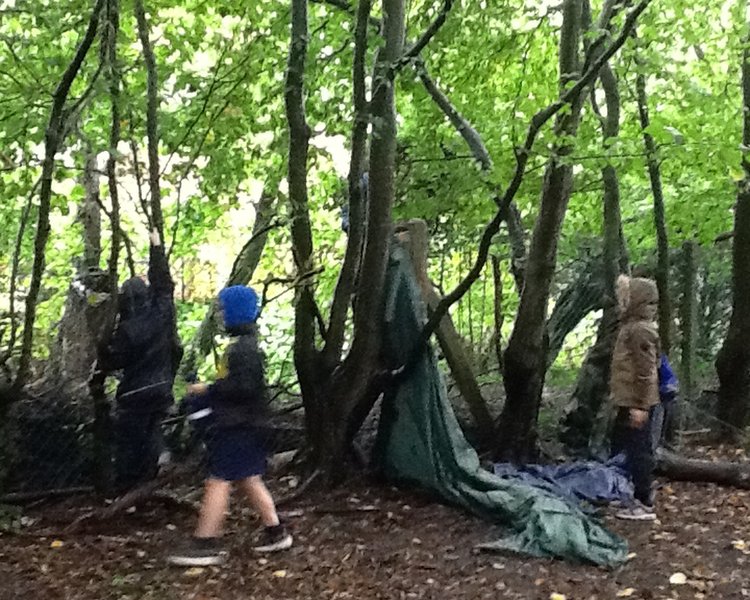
(638, 418)
(197, 389)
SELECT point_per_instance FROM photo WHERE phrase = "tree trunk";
(152, 121)
(654, 173)
(592, 386)
(679, 468)
(351, 383)
(306, 358)
(688, 322)
(53, 138)
(91, 215)
(499, 317)
(525, 357)
(733, 360)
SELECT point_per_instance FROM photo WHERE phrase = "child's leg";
(260, 499)
(640, 455)
(213, 508)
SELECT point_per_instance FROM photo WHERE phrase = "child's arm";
(158, 269)
(244, 378)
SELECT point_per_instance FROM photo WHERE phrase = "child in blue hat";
(227, 414)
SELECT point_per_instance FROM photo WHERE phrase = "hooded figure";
(634, 379)
(145, 346)
(634, 386)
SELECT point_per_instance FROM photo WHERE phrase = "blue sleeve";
(668, 383)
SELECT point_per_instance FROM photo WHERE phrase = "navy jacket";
(145, 344)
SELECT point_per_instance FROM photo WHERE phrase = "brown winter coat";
(634, 380)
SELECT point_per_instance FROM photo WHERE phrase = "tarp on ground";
(591, 481)
(420, 441)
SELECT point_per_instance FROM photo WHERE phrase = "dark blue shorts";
(235, 454)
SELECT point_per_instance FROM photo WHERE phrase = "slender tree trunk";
(733, 360)
(152, 121)
(592, 386)
(499, 317)
(525, 357)
(306, 357)
(91, 215)
(688, 322)
(662, 242)
(103, 427)
(53, 138)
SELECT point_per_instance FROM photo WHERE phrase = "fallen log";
(678, 468)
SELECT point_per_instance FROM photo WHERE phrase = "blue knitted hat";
(239, 304)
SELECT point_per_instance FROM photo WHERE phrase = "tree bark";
(733, 360)
(499, 317)
(688, 322)
(592, 386)
(306, 358)
(91, 215)
(525, 357)
(351, 383)
(152, 120)
(357, 218)
(52, 141)
(679, 468)
(662, 242)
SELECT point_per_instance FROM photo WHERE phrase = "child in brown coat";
(634, 388)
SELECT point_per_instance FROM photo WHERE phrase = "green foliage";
(223, 135)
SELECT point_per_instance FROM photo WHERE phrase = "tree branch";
(415, 50)
(476, 145)
(522, 156)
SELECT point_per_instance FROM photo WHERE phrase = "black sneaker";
(275, 539)
(198, 552)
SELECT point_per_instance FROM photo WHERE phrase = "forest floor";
(376, 542)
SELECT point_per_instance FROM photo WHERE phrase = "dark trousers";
(637, 446)
(138, 444)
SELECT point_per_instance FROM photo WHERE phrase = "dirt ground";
(366, 542)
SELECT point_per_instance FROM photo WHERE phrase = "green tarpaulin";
(420, 442)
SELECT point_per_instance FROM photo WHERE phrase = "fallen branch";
(679, 468)
(299, 490)
(22, 497)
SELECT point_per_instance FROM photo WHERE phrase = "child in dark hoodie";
(227, 413)
(145, 346)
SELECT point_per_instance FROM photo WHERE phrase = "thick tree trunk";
(733, 360)
(351, 383)
(525, 357)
